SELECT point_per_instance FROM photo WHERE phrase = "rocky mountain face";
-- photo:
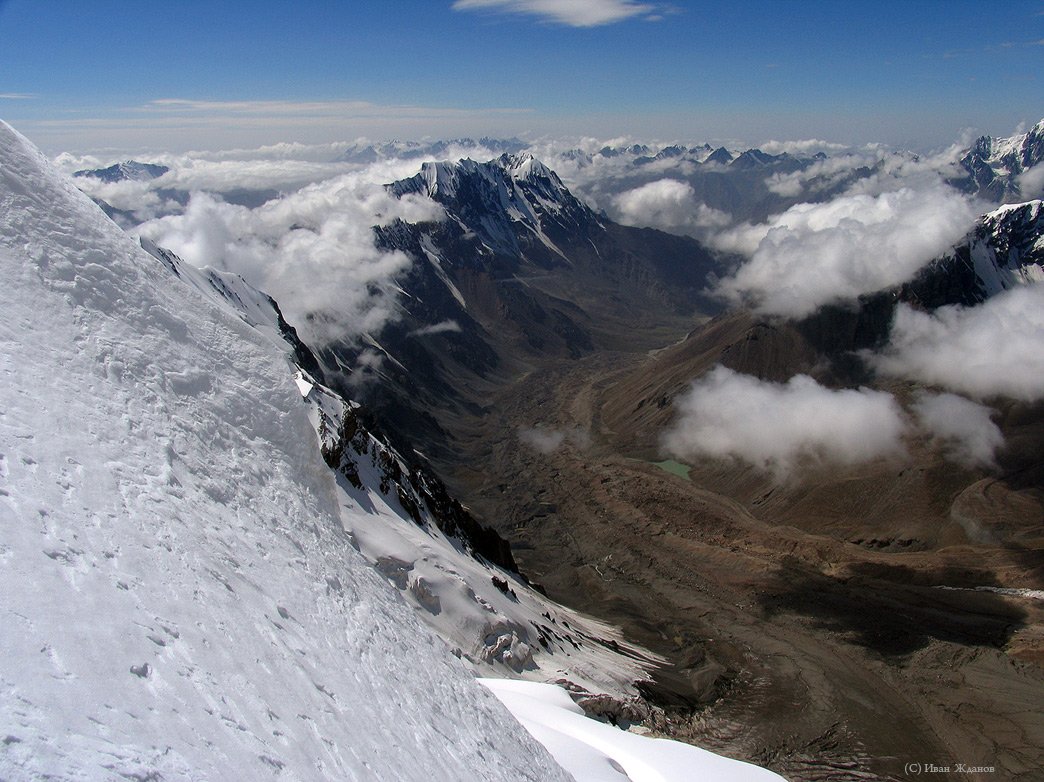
(993, 165)
(1005, 250)
(518, 273)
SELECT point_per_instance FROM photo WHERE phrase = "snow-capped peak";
(524, 166)
(994, 166)
(509, 202)
(127, 170)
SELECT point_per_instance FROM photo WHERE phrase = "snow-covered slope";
(596, 752)
(180, 600)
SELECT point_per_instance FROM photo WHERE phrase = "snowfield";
(183, 593)
(593, 751)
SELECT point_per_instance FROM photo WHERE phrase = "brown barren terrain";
(828, 627)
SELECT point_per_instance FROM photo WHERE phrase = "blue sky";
(189, 74)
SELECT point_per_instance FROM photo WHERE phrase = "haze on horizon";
(133, 76)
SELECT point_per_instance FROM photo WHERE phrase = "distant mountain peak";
(523, 165)
(720, 155)
(508, 202)
(755, 158)
(993, 165)
(371, 152)
(131, 170)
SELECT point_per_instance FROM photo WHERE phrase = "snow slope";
(596, 752)
(180, 600)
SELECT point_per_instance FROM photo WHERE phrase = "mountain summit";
(498, 198)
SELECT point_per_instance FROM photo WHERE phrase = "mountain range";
(214, 567)
(543, 350)
(541, 356)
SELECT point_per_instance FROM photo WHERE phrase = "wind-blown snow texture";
(179, 598)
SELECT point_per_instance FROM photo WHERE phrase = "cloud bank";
(442, 327)
(312, 250)
(964, 428)
(808, 146)
(778, 427)
(547, 441)
(993, 349)
(817, 254)
(1031, 182)
(575, 13)
(669, 205)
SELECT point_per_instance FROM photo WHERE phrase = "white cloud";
(780, 427)
(993, 349)
(312, 250)
(1031, 182)
(131, 196)
(442, 327)
(575, 13)
(964, 428)
(825, 173)
(801, 147)
(787, 185)
(70, 163)
(666, 204)
(285, 150)
(226, 175)
(816, 254)
(547, 441)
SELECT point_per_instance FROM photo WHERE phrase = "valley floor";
(802, 649)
